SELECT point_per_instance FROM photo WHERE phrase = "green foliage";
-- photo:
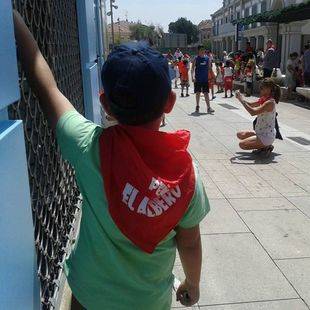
(207, 44)
(145, 32)
(288, 14)
(183, 25)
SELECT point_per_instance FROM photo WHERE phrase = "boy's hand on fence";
(187, 294)
(39, 75)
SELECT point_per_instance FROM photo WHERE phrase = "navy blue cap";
(136, 79)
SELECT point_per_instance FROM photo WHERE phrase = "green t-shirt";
(105, 270)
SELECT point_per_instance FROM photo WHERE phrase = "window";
(254, 12)
(263, 9)
(246, 14)
(263, 6)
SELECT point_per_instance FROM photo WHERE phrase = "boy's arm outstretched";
(53, 103)
(189, 248)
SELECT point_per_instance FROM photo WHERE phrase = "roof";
(123, 25)
(205, 24)
(218, 12)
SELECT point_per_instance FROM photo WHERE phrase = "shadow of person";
(196, 114)
(248, 158)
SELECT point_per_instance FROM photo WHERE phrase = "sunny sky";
(164, 11)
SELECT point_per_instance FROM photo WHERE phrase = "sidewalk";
(256, 239)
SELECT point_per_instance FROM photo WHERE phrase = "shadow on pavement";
(196, 114)
(253, 159)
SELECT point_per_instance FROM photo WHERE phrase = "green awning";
(292, 13)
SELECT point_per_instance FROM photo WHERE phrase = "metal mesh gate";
(55, 197)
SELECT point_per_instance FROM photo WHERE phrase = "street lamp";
(115, 7)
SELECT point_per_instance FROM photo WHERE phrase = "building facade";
(122, 31)
(205, 31)
(292, 37)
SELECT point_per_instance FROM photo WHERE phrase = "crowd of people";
(298, 70)
(207, 73)
(202, 74)
(245, 66)
(251, 65)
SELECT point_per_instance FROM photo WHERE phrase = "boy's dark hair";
(136, 83)
(307, 46)
(227, 63)
(200, 47)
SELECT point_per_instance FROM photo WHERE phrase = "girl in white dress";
(262, 138)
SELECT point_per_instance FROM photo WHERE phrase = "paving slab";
(237, 269)
(233, 189)
(222, 218)
(298, 273)
(271, 195)
(294, 304)
(283, 233)
(287, 187)
(256, 204)
(212, 190)
(301, 179)
(302, 203)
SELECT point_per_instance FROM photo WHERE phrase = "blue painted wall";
(19, 288)
(9, 91)
(18, 285)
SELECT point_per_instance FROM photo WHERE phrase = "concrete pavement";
(256, 239)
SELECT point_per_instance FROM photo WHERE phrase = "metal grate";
(300, 140)
(228, 106)
(55, 197)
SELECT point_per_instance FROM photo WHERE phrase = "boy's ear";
(104, 102)
(170, 102)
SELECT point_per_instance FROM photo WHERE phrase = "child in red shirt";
(228, 79)
(211, 77)
(184, 69)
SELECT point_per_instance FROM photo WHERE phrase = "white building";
(292, 36)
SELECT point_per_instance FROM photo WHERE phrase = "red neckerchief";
(263, 99)
(149, 181)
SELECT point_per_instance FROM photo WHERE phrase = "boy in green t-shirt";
(142, 195)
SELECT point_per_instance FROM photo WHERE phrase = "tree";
(207, 44)
(183, 25)
(145, 32)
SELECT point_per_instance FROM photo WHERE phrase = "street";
(256, 238)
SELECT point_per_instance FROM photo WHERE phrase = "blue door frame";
(19, 287)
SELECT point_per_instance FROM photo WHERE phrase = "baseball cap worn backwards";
(136, 82)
